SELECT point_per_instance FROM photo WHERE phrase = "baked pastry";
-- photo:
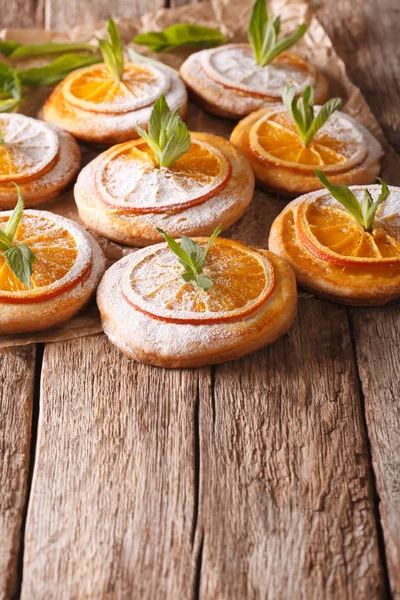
(351, 258)
(125, 193)
(236, 79)
(49, 268)
(159, 314)
(41, 158)
(284, 152)
(102, 104)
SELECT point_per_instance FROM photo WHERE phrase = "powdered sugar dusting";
(48, 222)
(29, 146)
(233, 65)
(140, 86)
(128, 178)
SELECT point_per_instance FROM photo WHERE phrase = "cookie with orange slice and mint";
(196, 302)
(49, 269)
(343, 243)
(287, 142)
(41, 158)
(234, 80)
(184, 182)
(102, 103)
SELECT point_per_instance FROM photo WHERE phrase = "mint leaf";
(15, 50)
(112, 51)
(192, 257)
(182, 34)
(20, 259)
(14, 220)
(364, 212)
(263, 34)
(168, 136)
(302, 111)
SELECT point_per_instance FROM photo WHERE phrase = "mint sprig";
(181, 34)
(302, 111)
(19, 257)
(192, 257)
(363, 211)
(112, 51)
(263, 34)
(167, 134)
(13, 49)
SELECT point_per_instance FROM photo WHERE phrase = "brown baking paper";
(231, 17)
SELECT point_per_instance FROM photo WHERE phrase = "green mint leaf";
(182, 34)
(4, 241)
(139, 58)
(193, 250)
(192, 257)
(10, 82)
(177, 145)
(323, 115)
(302, 111)
(168, 136)
(9, 105)
(158, 119)
(176, 249)
(56, 70)
(344, 195)
(15, 50)
(366, 203)
(283, 45)
(8, 47)
(113, 52)
(263, 34)
(370, 216)
(204, 282)
(210, 242)
(16, 216)
(256, 28)
(20, 259)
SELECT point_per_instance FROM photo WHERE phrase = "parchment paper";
(231, 17)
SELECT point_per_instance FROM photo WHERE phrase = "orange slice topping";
(94, 88)
(338, 146)
(243, 280)
(330, 232)
(233, 66)
(128, 179)
(29, 148)
(63, 258)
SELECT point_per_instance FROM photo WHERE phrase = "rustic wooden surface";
(17, 369)
(272, 477)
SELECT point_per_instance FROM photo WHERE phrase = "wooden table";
(276, 476)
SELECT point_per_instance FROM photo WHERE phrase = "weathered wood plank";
(22, 13)
(365, 35)
(63, 15)
(17, 369)
(113, 498)
(377, 339)
(286, 508)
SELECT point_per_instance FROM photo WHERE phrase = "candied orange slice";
(233, 66)
(338, 146)
(63, 258)
(94, 88)
(330, 232)
(128, 179)
(29, 148)
(243, 280)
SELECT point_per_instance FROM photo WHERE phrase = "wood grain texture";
(113, 498)
(365, 33)
(22, 13)
(377, 339)
(17, 368)
(62, 15)
(285, 500)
